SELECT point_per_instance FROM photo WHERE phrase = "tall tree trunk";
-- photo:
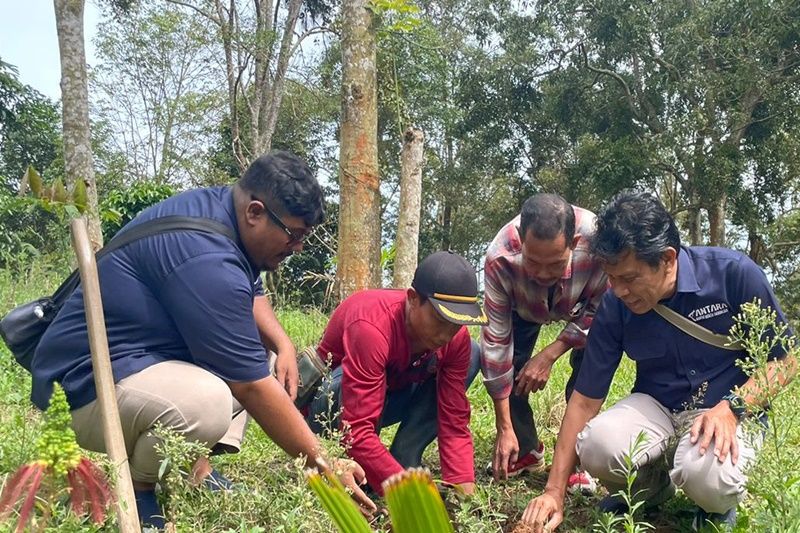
(359, 185)
(447, 216)
(407, 244)
(757, 250)
(716, 221)
(693, 225)
(78, 162)
(257, 99)
(447, 210)
(275, 97)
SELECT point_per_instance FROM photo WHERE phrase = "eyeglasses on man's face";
(295, 235)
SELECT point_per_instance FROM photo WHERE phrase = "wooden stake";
(104, 379)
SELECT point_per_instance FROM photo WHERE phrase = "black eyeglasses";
(295, 236)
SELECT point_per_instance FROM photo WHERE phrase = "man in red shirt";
(404, 356)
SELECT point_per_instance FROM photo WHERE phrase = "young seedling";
(414, 502)
(60, 466)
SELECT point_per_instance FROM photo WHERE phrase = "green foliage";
(30, 131)
(466, 190)
(414, 503)
(629, 521)
(10, 90)
(692, 101)
(337, 502)
(57, 446)
(59, 470)
(772, 481)
(306, 280)
(55, 197)
(305, 125)
(122, 205)
(156, 89)
(36, 223)
(30, 228)
(397, 15)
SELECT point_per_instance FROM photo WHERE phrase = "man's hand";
(286, 370)
(352, 477)
(545, 512)
(506, 452)
(718, 423)
(536, 372)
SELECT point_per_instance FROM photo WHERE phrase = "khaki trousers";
(179, 395)
(605, 441)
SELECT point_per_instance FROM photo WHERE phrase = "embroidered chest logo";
(709, 311)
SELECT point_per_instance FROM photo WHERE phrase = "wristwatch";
(736, 404)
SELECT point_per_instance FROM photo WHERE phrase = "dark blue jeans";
(525, 335)
(414, 407)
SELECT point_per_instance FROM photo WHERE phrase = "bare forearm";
(502, 414)
(758, 390)
(272, 334)
(555, 350)
(580, 410)
(273, 410)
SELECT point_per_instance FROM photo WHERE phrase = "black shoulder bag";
(22, 328)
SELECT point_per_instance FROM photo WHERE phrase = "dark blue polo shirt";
(184, 295)
(671, 366)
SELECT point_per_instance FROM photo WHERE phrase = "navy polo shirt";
(676, 369)
(184, 295)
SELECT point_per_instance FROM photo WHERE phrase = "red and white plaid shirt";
(508, 288)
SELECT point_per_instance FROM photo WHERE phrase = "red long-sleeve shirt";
(367, 337)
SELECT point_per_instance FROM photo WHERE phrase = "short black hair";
(287, 184)
(547, 216)
(634, 222)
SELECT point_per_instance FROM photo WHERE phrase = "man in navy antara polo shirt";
(685, 389)
(187, 325)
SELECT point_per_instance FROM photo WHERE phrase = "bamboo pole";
(104, 379)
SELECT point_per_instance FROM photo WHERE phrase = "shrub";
(122, 205)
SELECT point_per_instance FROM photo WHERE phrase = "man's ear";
(575, 240)
(254, 212)
(670, 257)
(412, 296)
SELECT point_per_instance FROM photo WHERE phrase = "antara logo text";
(709, 311)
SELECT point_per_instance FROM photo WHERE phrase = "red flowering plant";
(59, 467)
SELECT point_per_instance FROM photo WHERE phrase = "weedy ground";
(273, 497)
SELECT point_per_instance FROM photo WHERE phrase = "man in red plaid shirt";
(537, 271)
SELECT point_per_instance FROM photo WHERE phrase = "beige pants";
(179, 395)
(606, 440)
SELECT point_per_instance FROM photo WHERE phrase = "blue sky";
(28, 40)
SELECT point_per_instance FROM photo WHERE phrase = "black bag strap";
(152, 227)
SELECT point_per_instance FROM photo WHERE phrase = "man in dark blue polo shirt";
(685, 389)
(187, 325)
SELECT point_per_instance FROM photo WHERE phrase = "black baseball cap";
(449, 282)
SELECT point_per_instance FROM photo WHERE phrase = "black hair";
(634, 222)
(547, 216)
(287, 184)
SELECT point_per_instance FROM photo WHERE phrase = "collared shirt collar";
(687, 280)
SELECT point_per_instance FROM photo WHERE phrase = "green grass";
(274, 497)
